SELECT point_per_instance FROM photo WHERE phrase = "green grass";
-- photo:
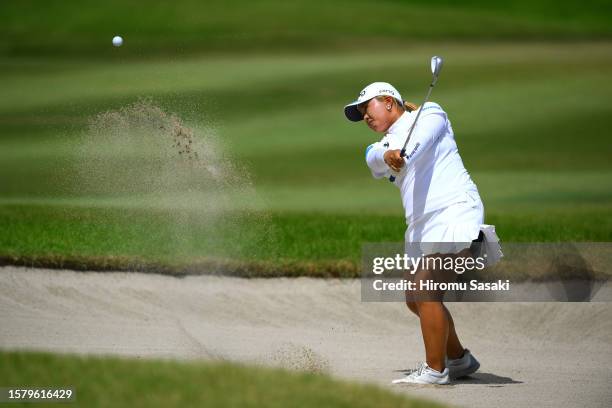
(284, 244)
(86, 27)
(531, 121)
(123, 382)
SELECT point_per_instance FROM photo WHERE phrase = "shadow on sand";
(489, 379)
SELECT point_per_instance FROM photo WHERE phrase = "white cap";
(369, 92)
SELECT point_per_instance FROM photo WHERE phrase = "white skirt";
(452, 229)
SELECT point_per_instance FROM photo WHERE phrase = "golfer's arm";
(427, 131)
(374, 159)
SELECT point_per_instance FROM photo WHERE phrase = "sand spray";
(140, 157)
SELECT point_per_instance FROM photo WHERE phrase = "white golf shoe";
(460, 367)
(424, 374)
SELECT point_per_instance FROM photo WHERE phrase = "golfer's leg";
(410, 301)
(413, 307)
(454, 349)
(434, 327)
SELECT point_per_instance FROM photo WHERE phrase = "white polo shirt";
(434, 176)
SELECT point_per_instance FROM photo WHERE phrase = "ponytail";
(406, 106)
(409, 106)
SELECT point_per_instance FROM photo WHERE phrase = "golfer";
(441, 203)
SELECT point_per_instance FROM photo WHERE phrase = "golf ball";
(117, 41)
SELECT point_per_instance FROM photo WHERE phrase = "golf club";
(436, 66)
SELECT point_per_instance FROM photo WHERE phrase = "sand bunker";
(531, 354)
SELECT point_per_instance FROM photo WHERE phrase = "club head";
(436, 66)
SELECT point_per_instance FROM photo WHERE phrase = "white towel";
(491, 249)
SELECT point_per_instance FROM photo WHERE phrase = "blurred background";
(259, 88)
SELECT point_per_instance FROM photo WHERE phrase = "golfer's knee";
(413, 307)
(429, 304)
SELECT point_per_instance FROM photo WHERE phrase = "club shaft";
(416, 119)
(403, 151)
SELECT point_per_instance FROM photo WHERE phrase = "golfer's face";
(375, 115)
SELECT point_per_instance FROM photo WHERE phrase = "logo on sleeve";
(412, 153)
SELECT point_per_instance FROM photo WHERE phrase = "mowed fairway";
(531, 121)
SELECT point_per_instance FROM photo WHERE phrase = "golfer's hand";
(394, 160)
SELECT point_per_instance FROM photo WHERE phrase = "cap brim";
(352, 113)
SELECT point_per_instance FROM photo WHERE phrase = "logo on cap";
(362, 93)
